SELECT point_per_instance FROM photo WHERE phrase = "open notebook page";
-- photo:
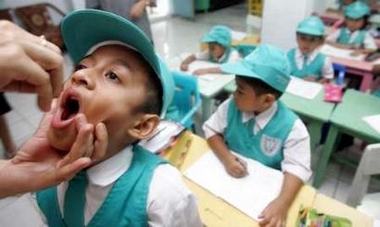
(250, 194)
(339, 52)
(303, 88)
(373, 121)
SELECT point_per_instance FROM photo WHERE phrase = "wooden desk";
(330, 206)
(360, 68)
(316, 111)
(347, 118)
(215, 212)
(354, 65)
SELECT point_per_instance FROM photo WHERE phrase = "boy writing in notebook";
(118, 80)
(256, 125)
(219, 50)
(306, 61)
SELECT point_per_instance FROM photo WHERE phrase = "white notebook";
(250, 194)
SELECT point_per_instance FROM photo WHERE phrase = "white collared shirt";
(369, 41)
(170, 203)
(327, 69)
(204, 56)
(297, 145)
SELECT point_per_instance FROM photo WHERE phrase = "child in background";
(119, 81)
(254, 123)
(219, 50)
(306, 61)
(353, 34)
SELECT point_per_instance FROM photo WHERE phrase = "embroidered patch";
(270, 145)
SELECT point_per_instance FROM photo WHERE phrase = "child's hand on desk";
(199, 72)
(310, 78)
(274, 214)
(236, 167)
(184, 67)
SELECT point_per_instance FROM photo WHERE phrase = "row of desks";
(216, 212)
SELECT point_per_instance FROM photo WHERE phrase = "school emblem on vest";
(270, 145)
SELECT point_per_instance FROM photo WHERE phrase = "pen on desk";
(243, 164)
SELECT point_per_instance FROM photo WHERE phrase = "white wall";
(280, 19)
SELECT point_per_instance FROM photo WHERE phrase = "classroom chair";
(244, 49)
(369, 165)
(186, 97)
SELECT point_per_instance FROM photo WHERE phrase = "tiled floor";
(172, 37)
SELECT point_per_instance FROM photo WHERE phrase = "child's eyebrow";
(125, 64)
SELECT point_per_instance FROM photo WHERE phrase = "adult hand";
(29, 63)
(37, 165)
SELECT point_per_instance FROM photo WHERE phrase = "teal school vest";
(314, 68)
(125, 204)
(344, 38)
(377, 93)
(267, 145)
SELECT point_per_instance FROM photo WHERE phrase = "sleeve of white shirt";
(327, 70)
(204, 55)
(297, 152)
(170, 203)
(333, 36)
(369, 42)
(217, 123)
(234, 55)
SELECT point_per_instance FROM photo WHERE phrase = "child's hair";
(320, 37)
(153, 101)
(260, 87)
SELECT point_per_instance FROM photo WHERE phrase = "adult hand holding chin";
(38, 165)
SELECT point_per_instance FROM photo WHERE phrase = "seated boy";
(119, 81)
(219, 50)
(255, 124)
(306, 61)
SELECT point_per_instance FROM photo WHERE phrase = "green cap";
(311, 26)
(83, 29)
(266, 63)
(219, 34)
(356, 10)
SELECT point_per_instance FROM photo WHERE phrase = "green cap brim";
(82, 29)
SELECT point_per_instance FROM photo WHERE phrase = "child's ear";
(269, 99)
(144, 126)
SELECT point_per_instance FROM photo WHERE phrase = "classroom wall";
(280, 19)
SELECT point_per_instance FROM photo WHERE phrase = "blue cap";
(311, 26)
(357, 10)
(83, 29)
(219, 34)
(266, 63)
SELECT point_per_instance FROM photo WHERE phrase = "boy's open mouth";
(69, 108)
